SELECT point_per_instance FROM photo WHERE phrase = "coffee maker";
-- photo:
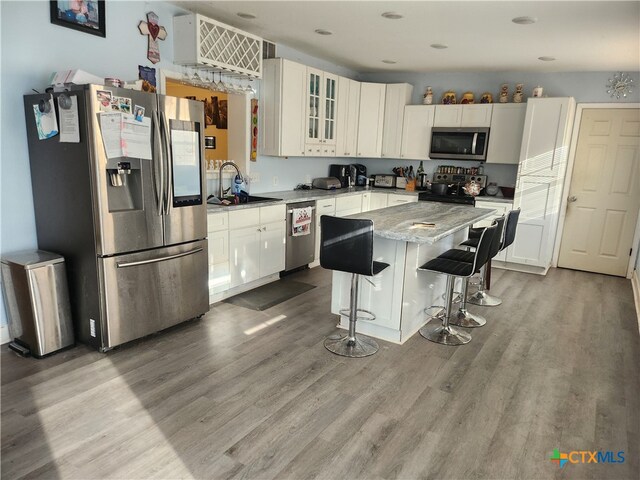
(358, 174)
(341, 172)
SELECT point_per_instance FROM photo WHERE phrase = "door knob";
(572, 199)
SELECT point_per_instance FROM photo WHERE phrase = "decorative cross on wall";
(154, 32)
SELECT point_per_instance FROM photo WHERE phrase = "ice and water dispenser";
(124, 184)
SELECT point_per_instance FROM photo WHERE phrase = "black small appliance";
(341, 172)
(358, 174)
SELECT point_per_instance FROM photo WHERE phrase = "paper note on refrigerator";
(69, 122)
(185, 147)
(111, 128)
(46, 121)
(136, 137)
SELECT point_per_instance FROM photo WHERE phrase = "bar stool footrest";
(367, 317)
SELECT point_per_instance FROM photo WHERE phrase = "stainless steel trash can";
(36, 296)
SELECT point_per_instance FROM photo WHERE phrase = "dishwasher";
(300, 250)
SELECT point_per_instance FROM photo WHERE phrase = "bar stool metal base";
(463, 318)
(444, 335)
(484, 299)
(354, 347)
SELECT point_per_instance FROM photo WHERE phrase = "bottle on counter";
(420, 170)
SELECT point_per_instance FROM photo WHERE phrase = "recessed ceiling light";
(439, 46)
(248, 16)
(392, 15)
(322, 31)
(547, 59)
(524, 20)
(390, 62)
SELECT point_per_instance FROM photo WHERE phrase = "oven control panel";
(459, 178)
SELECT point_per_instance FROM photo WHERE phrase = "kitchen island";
(399, 295)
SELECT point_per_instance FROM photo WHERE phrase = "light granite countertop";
(397, 223)
(291, 196)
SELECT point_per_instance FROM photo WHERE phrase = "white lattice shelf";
(198, 40)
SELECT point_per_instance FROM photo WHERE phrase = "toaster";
(384, 181)
(326, 183)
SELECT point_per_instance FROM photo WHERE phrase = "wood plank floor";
(556, 366)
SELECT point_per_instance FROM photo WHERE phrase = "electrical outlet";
(307, 179)
(275, 181)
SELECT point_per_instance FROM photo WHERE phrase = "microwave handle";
(473, 143)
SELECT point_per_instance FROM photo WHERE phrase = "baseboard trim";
(4, 334)
(635, 284)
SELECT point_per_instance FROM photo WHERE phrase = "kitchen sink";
(242, 200)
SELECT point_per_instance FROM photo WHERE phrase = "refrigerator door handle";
(158, 164)
(167, 164)
(158, 259)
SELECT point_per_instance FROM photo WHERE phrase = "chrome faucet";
(224, 164)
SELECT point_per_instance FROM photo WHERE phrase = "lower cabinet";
(501, 209)
(399, 199)
(218, 239)
(378, 200)
(348, 205)
(323, 207)
(252, 247)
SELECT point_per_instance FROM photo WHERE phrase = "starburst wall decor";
(619, 85)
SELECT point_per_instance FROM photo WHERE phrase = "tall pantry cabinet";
(541, 171)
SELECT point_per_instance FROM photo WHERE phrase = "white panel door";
(219, 279)
(397, 96)
(378, 200)
(600, 222)
(370, 119)
(448, 116)
(505, 136)
(347, 117)
(416, 131)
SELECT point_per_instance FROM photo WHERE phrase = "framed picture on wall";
(87, 16)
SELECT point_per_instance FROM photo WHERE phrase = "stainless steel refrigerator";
(132, 230)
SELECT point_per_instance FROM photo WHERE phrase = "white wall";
(32, 48)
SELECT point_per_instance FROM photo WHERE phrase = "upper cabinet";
(370, 119)
(320, 111)
(546, 136)
(463, 115)
(347, 117)
(416, 131)
(505, 136)
(397, 95)
(284, 109)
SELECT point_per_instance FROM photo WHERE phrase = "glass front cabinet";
(321, 113)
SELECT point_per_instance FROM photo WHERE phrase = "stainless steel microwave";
(466, 143)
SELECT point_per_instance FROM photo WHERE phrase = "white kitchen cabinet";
(348, 205)
(400, 199)
(284, 97)
(257, 243)
(397, 95)
(543, 164)
(378, 200)
(326, 206)
(545, 142)
(505, 136)
(366, 201)
(501, 209)
(272, 248)
(371, 119)
(463, 115)
(320, 109)
(218, 243)
(347, 117)
(416, 131)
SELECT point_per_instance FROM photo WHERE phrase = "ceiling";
(582, 36)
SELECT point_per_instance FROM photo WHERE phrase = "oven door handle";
(474, 143)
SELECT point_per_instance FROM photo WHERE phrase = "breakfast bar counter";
(405, 237)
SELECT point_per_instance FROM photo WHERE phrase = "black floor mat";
(269, 295)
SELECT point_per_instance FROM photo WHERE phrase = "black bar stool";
(464, 318)
(346, 245)
(445, 334)
(481, 297)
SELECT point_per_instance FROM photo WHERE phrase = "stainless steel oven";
(459, 143)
